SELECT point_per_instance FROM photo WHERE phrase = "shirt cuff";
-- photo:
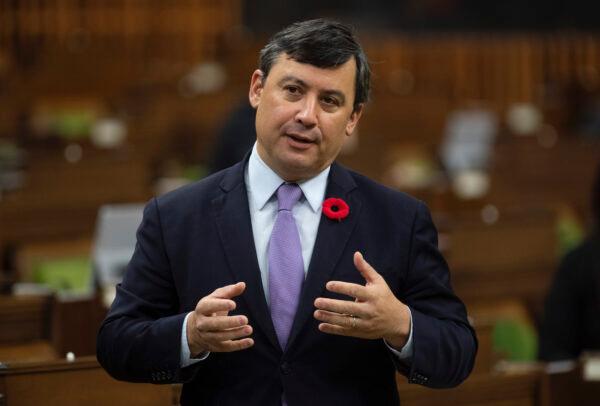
(406, 353)
(185, 358)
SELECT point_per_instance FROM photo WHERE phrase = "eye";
(293, 90)
(330, 103)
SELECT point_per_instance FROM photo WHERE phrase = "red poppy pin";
(335, 209)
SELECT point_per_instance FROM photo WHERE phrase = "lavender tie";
(286, 267)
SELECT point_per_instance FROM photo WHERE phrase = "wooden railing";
(496, 67)
(177, 28)
(81, 382)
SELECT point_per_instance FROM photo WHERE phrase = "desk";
(568, 387)
(479, 389)
(81, 382)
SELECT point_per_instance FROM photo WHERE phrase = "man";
(253, 287)
(570, 324)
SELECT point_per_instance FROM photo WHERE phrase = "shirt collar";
(263, 182)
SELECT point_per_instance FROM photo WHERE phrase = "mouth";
(301, 139)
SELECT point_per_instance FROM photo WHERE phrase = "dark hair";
(321, 43)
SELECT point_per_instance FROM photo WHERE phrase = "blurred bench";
(25, 328)
(81, 382)
(480, 389)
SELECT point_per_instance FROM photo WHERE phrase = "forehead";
(340, 78)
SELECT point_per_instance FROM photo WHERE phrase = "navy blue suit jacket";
(199, 238)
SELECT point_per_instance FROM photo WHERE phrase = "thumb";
(229, 291)
(366, 270)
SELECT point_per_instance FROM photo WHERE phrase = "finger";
(349, 289)
(227, 335)
(337, 330)
(235, 345)
(218, 323)
(342, 307)
(209, 305)
(337, 319)
(366, 270)
(229, 291)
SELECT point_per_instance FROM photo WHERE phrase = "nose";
(307, 115)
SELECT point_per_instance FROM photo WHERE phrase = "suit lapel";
(235, 231)
(332, 237)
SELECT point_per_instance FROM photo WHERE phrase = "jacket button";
(285, 368)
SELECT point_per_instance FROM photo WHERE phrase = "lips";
(301, 138)
(298, 142)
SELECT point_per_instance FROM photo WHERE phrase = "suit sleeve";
(444, 342)
(140, 339)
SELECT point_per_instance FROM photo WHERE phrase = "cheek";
(266, 119)
(274, 117)
(336, 132)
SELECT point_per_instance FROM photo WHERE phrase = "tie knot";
(287, 195)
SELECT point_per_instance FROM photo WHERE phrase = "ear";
(256, 86)
(353, 120)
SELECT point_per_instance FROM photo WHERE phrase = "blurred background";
(487, 111)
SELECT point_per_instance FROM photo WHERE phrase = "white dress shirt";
(261, 184)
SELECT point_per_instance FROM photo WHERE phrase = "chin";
(296, 161)
(297, 170)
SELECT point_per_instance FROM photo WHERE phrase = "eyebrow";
(300, 82)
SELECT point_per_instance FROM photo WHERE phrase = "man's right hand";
(210, 328)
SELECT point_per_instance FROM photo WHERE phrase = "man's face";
(304, 115)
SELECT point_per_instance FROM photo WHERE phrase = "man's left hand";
(375, 313)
